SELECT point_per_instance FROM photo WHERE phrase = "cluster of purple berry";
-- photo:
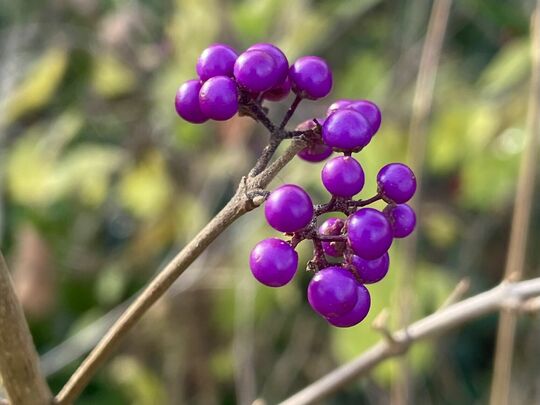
(349, 251)
(261, 73)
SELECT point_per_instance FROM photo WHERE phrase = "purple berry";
(369, 233)
(282, 64)
(402, 218)
(317, 152)
(337, 105)
(332, 227)
(396, 182)
(343, 176)
(218, 98)
(332, 292)
(187, 102)
(273, 262)
(311, 77)
(346, 130)
(279, 92)
(357, 314)
(370, 271)
(216, 60)
(256, 71)
(370, 111)
(288, 208)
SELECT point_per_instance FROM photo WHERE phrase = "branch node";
(380, 324)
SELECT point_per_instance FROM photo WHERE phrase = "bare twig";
(502, 373)
(240, 204)
(19, 362)
(434, 324)
(421, 109)
(457, 293)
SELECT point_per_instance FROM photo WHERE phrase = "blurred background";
(101, 184)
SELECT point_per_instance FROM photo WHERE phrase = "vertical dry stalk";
(19, 362)
(502, 373)
(421, 109)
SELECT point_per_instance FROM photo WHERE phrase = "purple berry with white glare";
(218, 98)
(343, 176)
(216, 60)
(311, 77)
(186, 102)
(370, 111)
(370, 271)
(273, 262)
(288, 208)
(402, 218)
(332, 227)
(357, 314)
(256, 71)
(369, 233)
(396, 182)
(282, 64)
(346, 130)
(337, 105)
(332, 292)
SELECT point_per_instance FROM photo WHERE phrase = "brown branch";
(502, 373)
(240, 203)
(434, 324)
(19, 362)
(418, 132)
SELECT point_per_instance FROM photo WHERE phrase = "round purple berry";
(279, 92)
(396, 182)
(282, 64)
(216, 60)
(288, 208)
(256, 71)
(357, 314)
(370, 271)
(369, 233)
(402, 218)
(187, 102)
(332, 292)
(273, 262)
(346, 130)
(343, 176)
(311, 77)
(370, 111)
(316, 152)
(337, 105)
(332, 227)
(218, 98)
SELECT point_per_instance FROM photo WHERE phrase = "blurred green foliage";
(101, 183)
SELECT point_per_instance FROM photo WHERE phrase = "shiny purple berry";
(346, 130)
(357, 314)
(396, 182)
(337, 105)
(186, 102)
(332, 227)
(343, 176)
(288, 208)
(273, 262)
(402, 218)
(218, 98)
(370, 271)
(332, 292)
(370, 111)
(279, 92)
(311, 77)
(282, 64)
(216, 60)
(316, 152)
(369, 233)
(256, 71)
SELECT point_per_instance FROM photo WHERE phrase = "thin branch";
(418, 131)
(432, 325)
(19, 362)
(290, 111)
(239, 204)
(502, 373)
